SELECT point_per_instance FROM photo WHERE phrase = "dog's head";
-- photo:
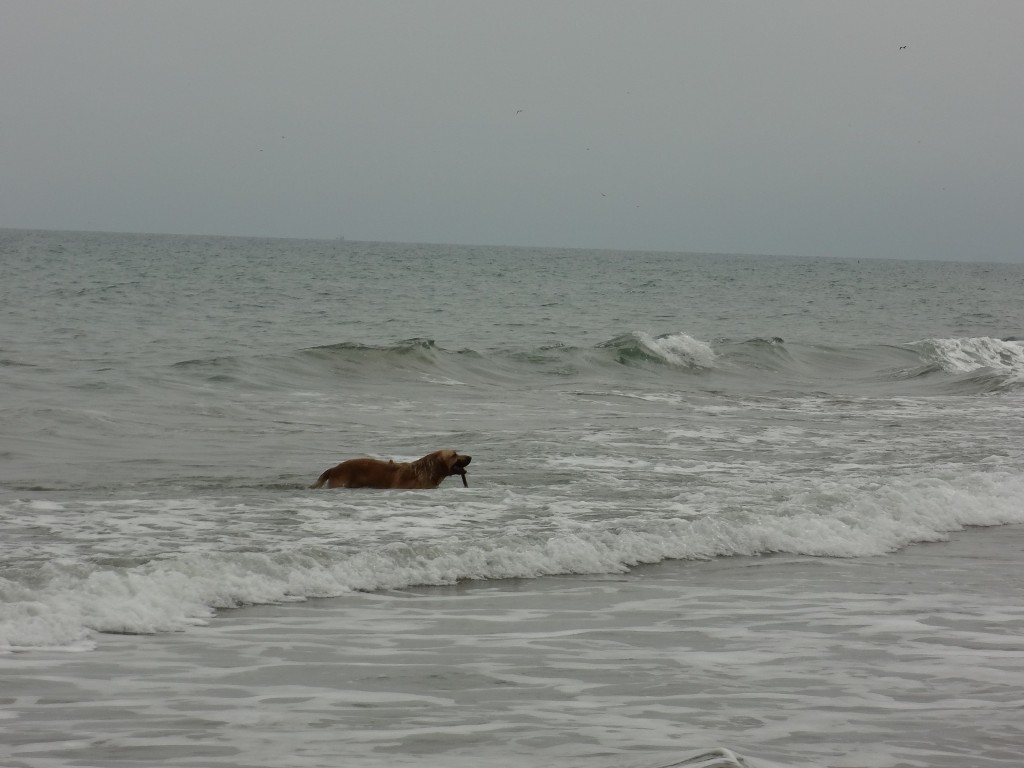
(456, 462)
(440, 464)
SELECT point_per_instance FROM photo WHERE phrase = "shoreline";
(784, 660)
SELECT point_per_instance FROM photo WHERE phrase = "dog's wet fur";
(427, 472)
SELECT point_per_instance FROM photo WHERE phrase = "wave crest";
(968, 355)
(932, 366)
(676, 349)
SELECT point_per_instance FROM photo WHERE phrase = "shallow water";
(900, 660)
(168, 401)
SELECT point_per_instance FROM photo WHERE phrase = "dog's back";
(427, 472)
(363, 473)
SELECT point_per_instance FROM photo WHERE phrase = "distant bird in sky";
(903, 47)
(518, 111)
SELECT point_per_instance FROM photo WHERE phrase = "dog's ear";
(440, 460)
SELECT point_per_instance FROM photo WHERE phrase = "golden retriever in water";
(427, 472)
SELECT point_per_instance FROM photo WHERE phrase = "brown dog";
(427, 472)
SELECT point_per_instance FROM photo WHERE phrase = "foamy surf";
(327, 552)
(967, 355)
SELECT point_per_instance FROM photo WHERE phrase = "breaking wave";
(929, 366)
(64, 602)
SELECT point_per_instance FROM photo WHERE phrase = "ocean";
(723, 510)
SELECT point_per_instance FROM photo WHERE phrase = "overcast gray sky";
(857, 129)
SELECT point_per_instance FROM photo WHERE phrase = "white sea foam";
(508, 536)
(966, 355)
(679, 349)
(45, 506)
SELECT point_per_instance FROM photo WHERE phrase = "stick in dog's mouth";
(460, 469)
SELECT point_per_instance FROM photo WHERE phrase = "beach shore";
(911, 659)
